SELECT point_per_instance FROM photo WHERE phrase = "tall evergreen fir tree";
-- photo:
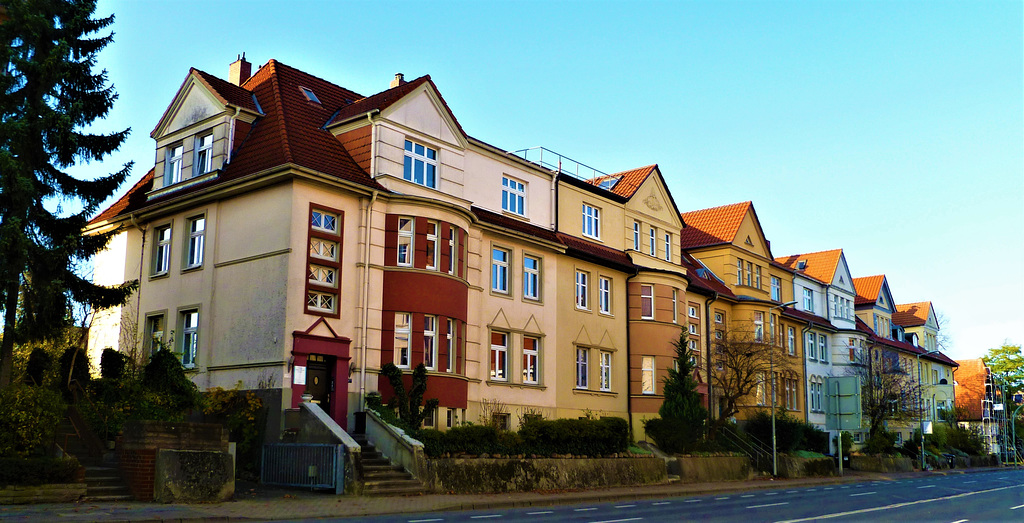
(682, 401)
(49, 94)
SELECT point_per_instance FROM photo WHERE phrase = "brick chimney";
(239, 71)
(399, 80)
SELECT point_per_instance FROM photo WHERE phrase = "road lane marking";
(588, 509)
(771, 493)
(662, 503)
(719, 499)
(961, 521)
(811, 490)
(692, 501)
(928, 486)
(966, 482)
(624, 506)
(769, 505)
(829, 488)
(845, 486)
(747, 496)
(1017, 507)
(485, 517)
(791, 492)
(862, 494)
(616, 520)
(541, 512)
(424, 520)
(898, 505)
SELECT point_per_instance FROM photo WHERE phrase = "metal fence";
(311, 465)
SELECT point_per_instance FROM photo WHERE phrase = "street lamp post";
(771, 376)
(920, 401)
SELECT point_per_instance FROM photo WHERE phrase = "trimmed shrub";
(815, 439)
(674, 436)
(28, 419)
(172, 394)
(112, 364)
(966, 440)
(789, 433)
(39, 364)
(881, 442)
(581, 437)
(37, 471)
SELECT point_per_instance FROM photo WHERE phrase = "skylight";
(309, 95)
(608, 183)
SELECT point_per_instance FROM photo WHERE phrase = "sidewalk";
(261, 503)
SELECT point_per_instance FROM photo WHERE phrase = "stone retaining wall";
(53, 493)
(142, 439)
(881, 463)
(486, 475)
(792, 467)
(699, 469)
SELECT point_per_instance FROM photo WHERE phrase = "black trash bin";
(950, 460)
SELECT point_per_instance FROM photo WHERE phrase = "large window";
(808, 300)
(758, 326)
(430, 342)
(606, 371)
(174, 158)
(531, 277)
(432, 245)
(757, 276)
(582, 296)
(196, 232)
(650, 242)
(449, 343)
(823, 348)
(739, 271)
(155, 327)
(636, 236)
(162, 250)
(582, 368)
(604, 292)
(403, 334)
(203, 160)
(453, 249)
(810, 348)
(668, 246)
(406, 230)
(647, 302)
(189, 337)
(420, 164)
(499, 270)
(776, 289)
(591, 222)
(499, 356)
(647, 375)
(531, 357)
(322, 269)
(791, 342)
(513, 196)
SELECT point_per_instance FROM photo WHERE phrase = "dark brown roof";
(228, 92)
(135, 198)
(703, 279)
(590, 251)
(511, 224)
(805, 316)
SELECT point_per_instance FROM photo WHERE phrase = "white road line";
(747, 496)
(662, 503)
(769, 505)
(966, 482)
(541, 512)
(624, 506)
(898, 505)
(588, 509)
(692, 501)
(487, 516)
(424, 520)
(771, 493)
(719, 499)
(961, 521)
(1017, 507)
(829, 488)
(616, 520)
(928, 486)
(811, 490)
(791, 492)
(862, 494)
(845, 486)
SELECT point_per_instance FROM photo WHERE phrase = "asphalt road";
(990, 496)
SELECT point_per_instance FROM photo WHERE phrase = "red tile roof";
(597, 253)
(904, 346)
(713, 226)
(703, 279)
(817, 321)
(135, 198)
(228, 92)
(379, 101)
(820, 266)
(912, 314)
(868, 288)
(290, 132)
(628, 181)
(512, 224)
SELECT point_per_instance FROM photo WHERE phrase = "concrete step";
(107, 490)
(386, 476)
(109, 497)
(384, 467)
(410, 490)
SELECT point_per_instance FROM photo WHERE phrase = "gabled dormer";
(730, 241)
(199, 130)
(874, 304)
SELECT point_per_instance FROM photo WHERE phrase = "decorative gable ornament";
(652, 202)
(749, 242)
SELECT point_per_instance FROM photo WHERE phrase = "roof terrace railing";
(559, 163)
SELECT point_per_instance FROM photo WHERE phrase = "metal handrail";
(563, 164)
(754, 448)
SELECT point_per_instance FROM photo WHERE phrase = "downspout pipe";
(365, 298)
(231, 134)
(803, 340)
(707, 358)
(629, 359)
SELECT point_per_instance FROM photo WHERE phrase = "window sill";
(184, 184)
(533, 386)
(160, 275)
(191, 269)
(588, 392)
(515, 216)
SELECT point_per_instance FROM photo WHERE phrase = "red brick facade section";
(142, 439)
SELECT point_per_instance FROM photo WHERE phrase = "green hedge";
(28, 419)
(37, 471)
(584, 437)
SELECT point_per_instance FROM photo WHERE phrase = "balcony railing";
(559, 163)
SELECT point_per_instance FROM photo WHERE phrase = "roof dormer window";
(204, 155)
(310, 96)
(172, 169)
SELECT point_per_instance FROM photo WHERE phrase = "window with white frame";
(758, 326)
(531, 277)
(196, 233)
(675, 305)
(810, 348)
(452, 418)
(420, 164)
(719, 317)
(189, 337)
(693, 329)
(406, 232)
(776, 289)
(739, 271)
(604, 294)
(582, 296)
(823, 348)
(432, 245)
(531, 359)
(650, 242)
(453, 249)
(155, 327)
(430, 342)
(162, 250)
(317, 301)
(757, 276)
(771, 328)
(808, 300)
(636, 236)
(499, 270)
(323, 249)
(449, 342)
(324, 221)
(591, 222)
(668, 246)
(321, 275)
(647, 375)
(791, 341)
(173, 161)
(513, 196)
(750, 274)
(605, 371)
(403, 336)
(693, 312)
(499, 356)
(647, 302)
(582, 368)
(203, 160)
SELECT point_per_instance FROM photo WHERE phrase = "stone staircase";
(382, 478)
(102, 477)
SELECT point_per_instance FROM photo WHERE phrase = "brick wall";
(141, 440)
(138, 466)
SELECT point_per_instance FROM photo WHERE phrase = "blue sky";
(894, 130)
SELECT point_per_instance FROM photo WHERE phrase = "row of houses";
(294, 236)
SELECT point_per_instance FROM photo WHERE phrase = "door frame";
(303, 344)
